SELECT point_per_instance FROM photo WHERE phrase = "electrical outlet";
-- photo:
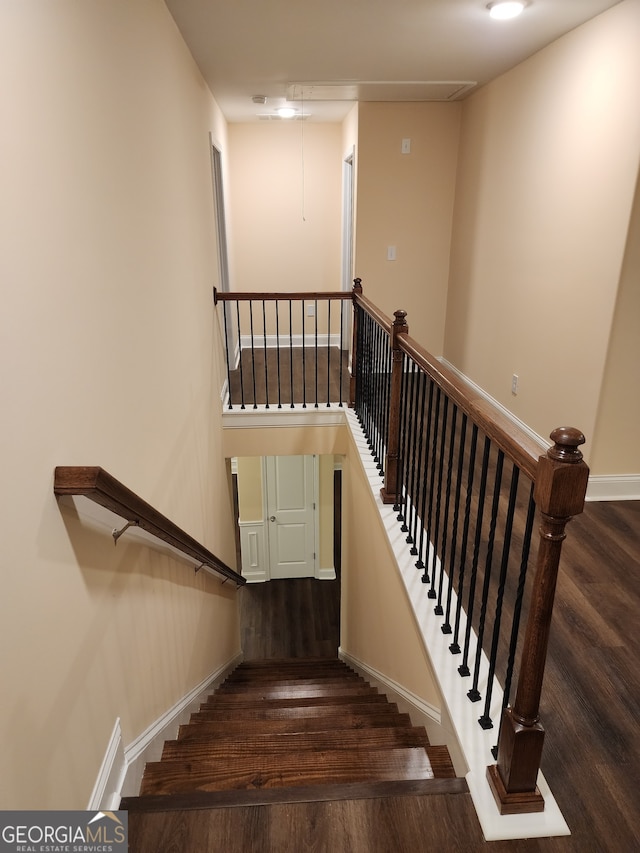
(311, 310)
(514, 384)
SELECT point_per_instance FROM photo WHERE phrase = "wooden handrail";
(298, 296)
(560, 480)
(99, 486)
(516, 444)
(381, 319)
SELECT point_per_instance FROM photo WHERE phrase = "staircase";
(297, 730)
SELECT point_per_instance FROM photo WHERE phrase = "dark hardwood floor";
(294, 618)
(590, 709)
(280, 377)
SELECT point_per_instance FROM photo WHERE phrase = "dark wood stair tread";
(218, 703)
(332, 710)
(297, 768)
(293, 689)
(300, 794)
(295, 730)
(374, 738)
(226, 725)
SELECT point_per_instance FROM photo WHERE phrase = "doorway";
(286, 516)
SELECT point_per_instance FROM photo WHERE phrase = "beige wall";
(406, 201)
(109, 358)
(548, 165)
(616, 449)
(285, 203)
(378, 627)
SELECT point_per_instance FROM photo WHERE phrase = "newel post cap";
(566, 442)
(561, 481)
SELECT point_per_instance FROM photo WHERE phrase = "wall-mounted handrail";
(99, 486)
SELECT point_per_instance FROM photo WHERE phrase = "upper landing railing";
(99, 486)
(468, 486)
(286, 349)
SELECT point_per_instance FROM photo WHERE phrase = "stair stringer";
(121, 771)
(438, 726)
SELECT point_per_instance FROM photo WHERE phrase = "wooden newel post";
(389, 491)
(561, 484)
(357, 291)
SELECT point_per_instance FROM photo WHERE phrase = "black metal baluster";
(242, 406)
(410, 470)
(485, 720)
(517, 608)
(445, 414)
(304, 365)
(447, 504)
(328, 353)
(277, 304)
(341, 353)
(253, 356)
(463, 669)
(402, 444)
(413, 478)
(315, 317)
(264, 341)
(474, 693)
(420, 483)
(430, 560)
(454, 648)
(291, 350)
(428, 485)
(226, 348)
(446, 627)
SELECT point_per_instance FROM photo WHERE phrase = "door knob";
(272, 518)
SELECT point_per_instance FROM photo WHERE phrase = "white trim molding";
(262, 418)
(615, 487)
(296, 341)
(255, 564)
(106, 791)
(121, 771)
(392, 689)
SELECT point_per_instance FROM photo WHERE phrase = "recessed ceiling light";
(286, 112)
(502, 11)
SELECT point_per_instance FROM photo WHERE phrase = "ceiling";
(319, 56)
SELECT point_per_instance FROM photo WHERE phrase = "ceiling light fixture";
(286, 112)
(504, 10)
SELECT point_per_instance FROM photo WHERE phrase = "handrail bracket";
(118, 533)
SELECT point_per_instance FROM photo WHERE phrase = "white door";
(290, 490)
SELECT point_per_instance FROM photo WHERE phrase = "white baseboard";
(121, 770)
(326, 574)
(391, 687)
(297, 341)
(620, 487)
(106, 791)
